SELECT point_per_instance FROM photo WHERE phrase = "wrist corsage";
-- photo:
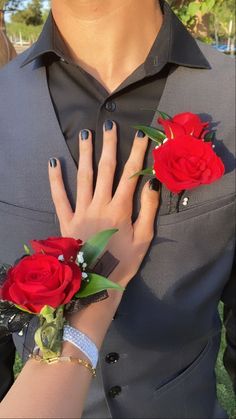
(60, 276)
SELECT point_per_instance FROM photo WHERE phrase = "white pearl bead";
(185, 201)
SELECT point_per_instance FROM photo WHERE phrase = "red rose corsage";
(59, 275)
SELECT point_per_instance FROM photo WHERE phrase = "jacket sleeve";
(229, 318)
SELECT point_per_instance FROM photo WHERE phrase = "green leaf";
(193, 8)
(26, 249)
(148, 171)
(95, 245)
(210, 136)
(164, 115)
(153, 133)
(207, 5)
(96, 284)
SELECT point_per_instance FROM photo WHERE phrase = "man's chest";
(187, 236)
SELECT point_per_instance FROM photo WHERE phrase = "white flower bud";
(80, 257)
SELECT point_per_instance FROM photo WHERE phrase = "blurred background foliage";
(23, 20)
(211, 21)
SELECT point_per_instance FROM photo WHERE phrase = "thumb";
(150, 198)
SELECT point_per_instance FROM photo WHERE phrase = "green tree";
(208, 20)
(32, 15)
(7, 6)
(35, 16)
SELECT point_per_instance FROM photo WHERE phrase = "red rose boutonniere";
(184, 157)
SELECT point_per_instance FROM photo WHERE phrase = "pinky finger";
(59, 196)
(144, 225)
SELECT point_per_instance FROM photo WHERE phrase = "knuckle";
(85, 174)
(109, 134)
(120, 212)
(63, 228)
(56, 177)
(151, 201)
(107, 165)
(131, 168)
(150, 235)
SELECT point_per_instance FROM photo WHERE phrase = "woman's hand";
(98, 210)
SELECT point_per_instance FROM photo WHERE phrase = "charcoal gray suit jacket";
(166, 334)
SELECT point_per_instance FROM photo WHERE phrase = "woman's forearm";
(95, 320)
(59, 390)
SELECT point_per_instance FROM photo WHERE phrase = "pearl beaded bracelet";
(82, 342)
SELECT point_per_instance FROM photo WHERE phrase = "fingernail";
(84, 134)
(154, 184)
(140, 134)
(53, 162)
(108, 125)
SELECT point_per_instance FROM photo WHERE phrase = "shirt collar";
(173, 44)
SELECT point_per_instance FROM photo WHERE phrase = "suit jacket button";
(114, 391)
(112, 358)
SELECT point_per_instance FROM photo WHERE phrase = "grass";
(224, 386)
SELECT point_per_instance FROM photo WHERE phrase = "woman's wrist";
(95, 319)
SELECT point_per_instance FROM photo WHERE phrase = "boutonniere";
(55, 279)
(184, 156)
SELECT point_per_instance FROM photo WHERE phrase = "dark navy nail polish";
(84, 134)
(53, 162)
(140, 134)
(108, 125)
(154, 184)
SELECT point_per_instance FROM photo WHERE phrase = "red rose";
(40, 280)
(186, 162)
(56, 246)
(184, 123)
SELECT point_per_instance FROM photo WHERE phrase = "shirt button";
(114, 391)
(112, 358)
(110, 106)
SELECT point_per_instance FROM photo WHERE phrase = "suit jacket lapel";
(47, 136)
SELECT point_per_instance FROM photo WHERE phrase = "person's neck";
(108, 38)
